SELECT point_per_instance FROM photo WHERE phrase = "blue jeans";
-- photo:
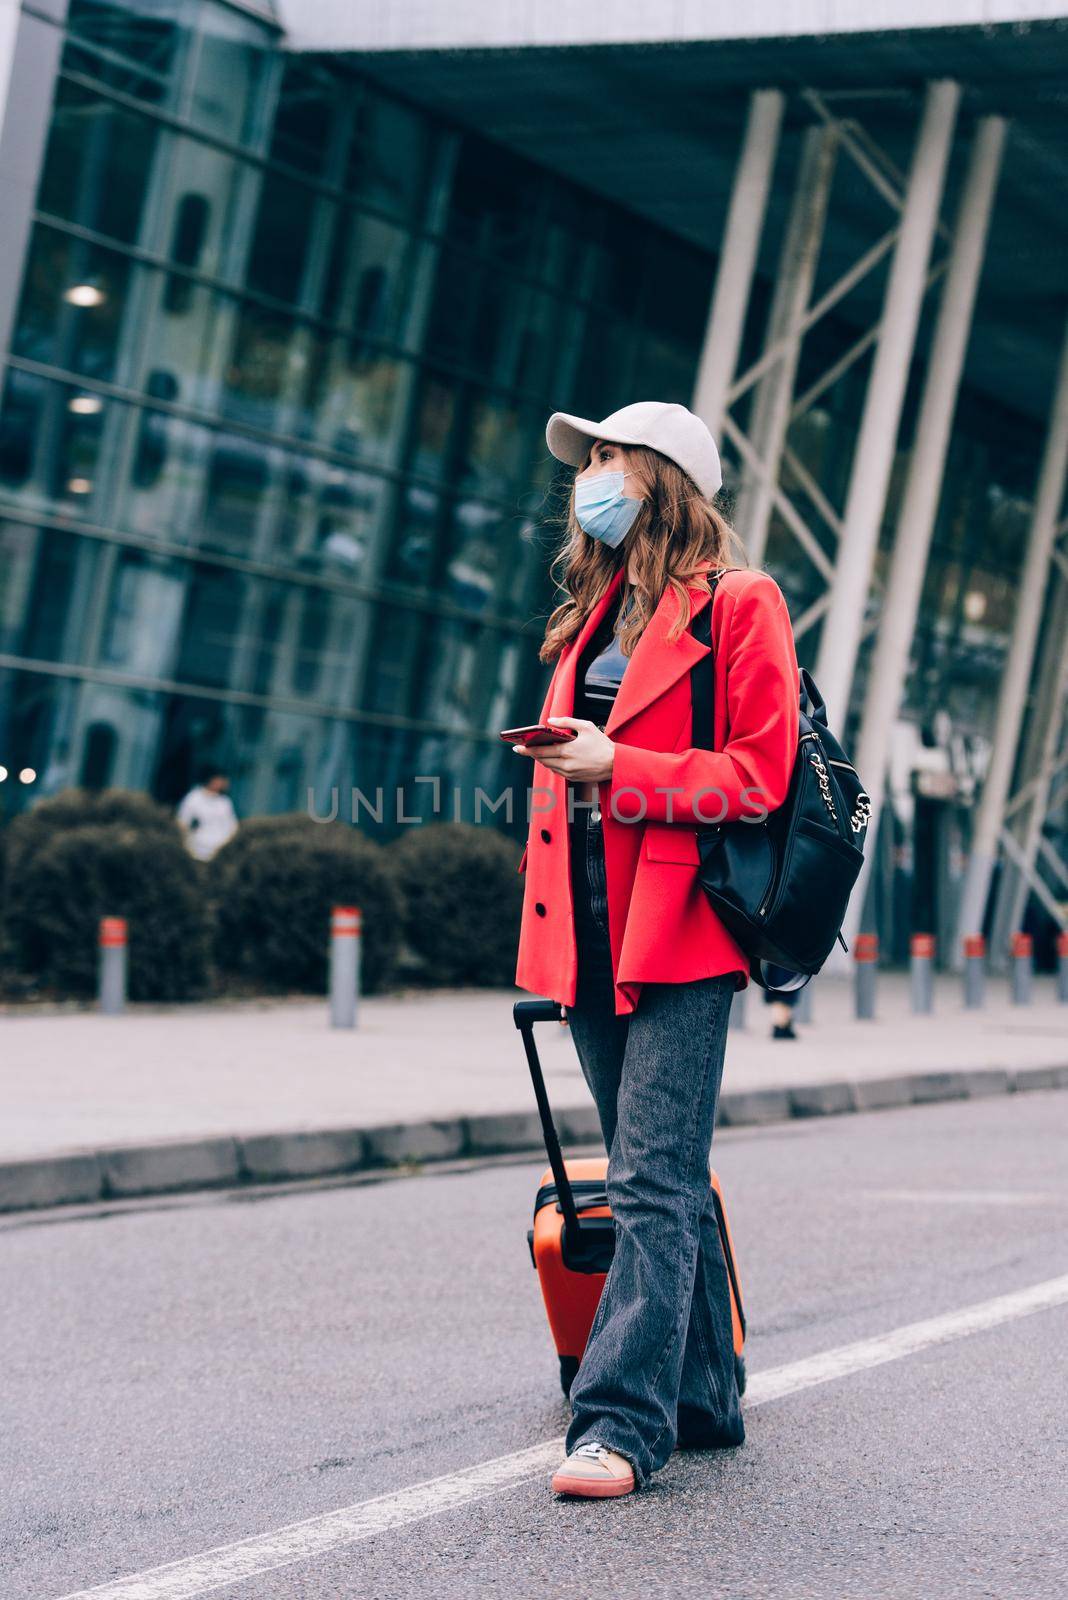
(659, 1365)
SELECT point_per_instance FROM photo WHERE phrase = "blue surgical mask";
(603, 510)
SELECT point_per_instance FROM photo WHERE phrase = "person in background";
(206, 816)
(782, 1002)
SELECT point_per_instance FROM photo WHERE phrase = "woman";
(616, 926)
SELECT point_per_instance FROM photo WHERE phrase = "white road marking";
(302, 1541)
(971, 1197)
(849, 1358)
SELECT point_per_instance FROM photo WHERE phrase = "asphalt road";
(180, 1377)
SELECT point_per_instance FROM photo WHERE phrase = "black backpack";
(781, 886)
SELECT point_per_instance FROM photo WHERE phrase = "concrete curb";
(80, 1177)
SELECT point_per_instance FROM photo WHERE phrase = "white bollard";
(865, 968)
(974, 970)
(345, 928)
(111, 969)
(922, 950)
(1022, 951)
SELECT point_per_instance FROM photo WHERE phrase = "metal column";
(797, 272)
(1049, 713)
(741, 238)
(873, 458)
(1017, 674)
(916, 520)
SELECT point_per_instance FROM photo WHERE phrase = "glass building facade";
(272, 455)
(274, 489)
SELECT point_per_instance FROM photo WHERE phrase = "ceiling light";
(974, 605)
(27, 775)
(3, 774)
(85, 405)
(85, 294)
(80, 486)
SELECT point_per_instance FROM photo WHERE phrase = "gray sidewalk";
(179, 1097)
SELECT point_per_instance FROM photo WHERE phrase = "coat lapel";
(655, 665)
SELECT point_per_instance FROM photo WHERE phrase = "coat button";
(539, 908)
(546, 835)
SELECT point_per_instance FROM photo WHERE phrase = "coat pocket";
(666, 841)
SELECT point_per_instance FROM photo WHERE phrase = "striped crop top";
(600, 669)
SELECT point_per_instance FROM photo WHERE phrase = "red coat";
(661, 923)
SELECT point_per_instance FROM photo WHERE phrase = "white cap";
(663, 425)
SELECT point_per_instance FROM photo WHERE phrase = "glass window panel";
(144, 616)
(538, 342)
(435, 416)
(73, 295)
(388, 157)
(455, 306)
(602, 370)
(304, 118)
(493, 558)
(494, 202)
(145, 471)
(666, 368)
(264, 355)
(412, 548)
(231, 86)
(481, 550)
(389, 682)
(496, 441)
(677, 316)
(211, 622)
(348, 510)
(133, 47)
(355, 403)
(450, 672)
(367, 279)
(285, 225)
(97, 164)
(49, 449)
(18, 553)
(574, 220)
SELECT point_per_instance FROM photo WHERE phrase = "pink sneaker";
(594, 1471)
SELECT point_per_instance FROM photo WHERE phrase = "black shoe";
(783, 1030)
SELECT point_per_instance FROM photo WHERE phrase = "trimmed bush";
(273, 886)
(59, 890)
(463, 901)
(84, 808)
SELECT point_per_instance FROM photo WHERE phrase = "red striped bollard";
(111, 965)
(345, 927)
(921, 953)
(1022, 950)
(1062, 965)
(974, 970)
(866, 957)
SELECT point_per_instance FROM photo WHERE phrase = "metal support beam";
(797, 272)
(1040, 805)
(873, 457)
(919, 505)
(741, 239)
(1015, 679)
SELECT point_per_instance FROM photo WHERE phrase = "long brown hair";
(677, 529)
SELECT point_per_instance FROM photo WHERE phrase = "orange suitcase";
(573, 1238)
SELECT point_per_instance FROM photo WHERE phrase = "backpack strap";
(703, 676)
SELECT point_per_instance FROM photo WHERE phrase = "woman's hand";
(587, 758)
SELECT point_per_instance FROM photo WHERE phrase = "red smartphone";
(538, 733)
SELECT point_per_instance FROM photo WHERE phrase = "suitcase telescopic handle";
(525, 1014)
